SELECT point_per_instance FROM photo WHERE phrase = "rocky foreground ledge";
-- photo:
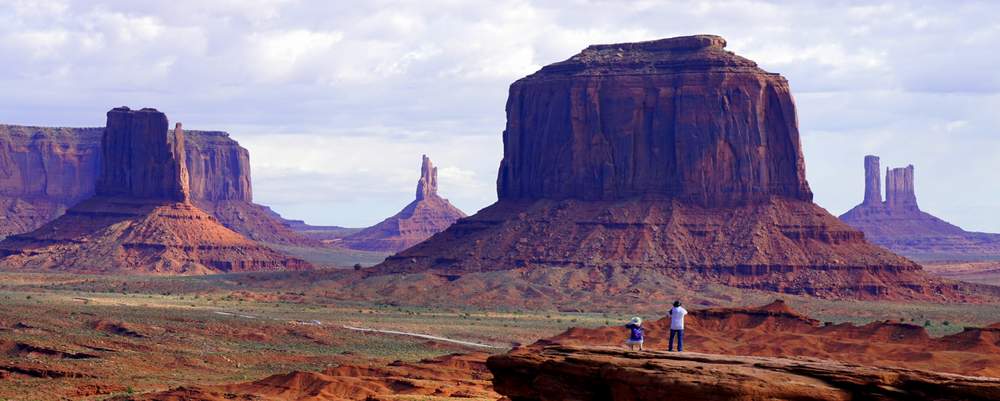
(604, 373)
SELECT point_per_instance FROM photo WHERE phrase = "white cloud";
(337, 100)
(277, 56)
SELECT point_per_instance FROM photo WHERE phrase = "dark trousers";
(680, 340)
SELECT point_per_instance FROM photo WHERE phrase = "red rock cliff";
(43, 171)
(219, 168)
(137, 162)
(680, 118)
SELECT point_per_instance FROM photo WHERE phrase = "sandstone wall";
(679, 118)
(140, 158)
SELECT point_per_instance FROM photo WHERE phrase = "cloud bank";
(337, 100)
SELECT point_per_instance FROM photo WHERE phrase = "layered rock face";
(676, 118)
(140, 219)
(427, 215)
(602, 373)
(44, 171)
(672, 154)
(900, 225)
(137, 160)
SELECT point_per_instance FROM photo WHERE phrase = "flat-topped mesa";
(676, 118)
(141, 159)
(873, 181)
(219, 167)
(427, 185)
(899, 193)
(664, 56)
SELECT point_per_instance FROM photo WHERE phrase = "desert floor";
(91, 337)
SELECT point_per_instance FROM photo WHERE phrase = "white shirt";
(677, 318)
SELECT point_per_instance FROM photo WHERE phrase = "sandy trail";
(369, 330)
(424, 336)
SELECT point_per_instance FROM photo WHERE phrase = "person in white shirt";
(677, 326)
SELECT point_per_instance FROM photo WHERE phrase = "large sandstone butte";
(44, 171)
(674, 155)
(898, 223)
(427, 215)
(140, 218)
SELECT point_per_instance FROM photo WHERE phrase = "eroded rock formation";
(603, 373)
(676, 118)
(672, 154)
(140, 219)
(44, 171)
(139, 161)
(427, 215)
(900, 225)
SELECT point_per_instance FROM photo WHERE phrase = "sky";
(338, 100)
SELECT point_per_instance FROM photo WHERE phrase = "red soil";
(459, 376)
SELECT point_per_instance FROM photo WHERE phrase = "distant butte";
(427, 215)
(898, 223)
(672, 154)
(46, 170)
(140, 219)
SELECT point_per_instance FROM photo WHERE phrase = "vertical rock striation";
(900, 225)
(873, 181)
(141, 219)
(899, 192)
(676, 118)
(137, 162)
(427, 215)
(43, 171)
(670, 154)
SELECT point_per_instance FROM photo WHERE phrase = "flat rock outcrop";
(674, 155)
(899, 225)
(45, 170)
(140, 219)
(427, 215)
(753, 331)
(599, 373)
